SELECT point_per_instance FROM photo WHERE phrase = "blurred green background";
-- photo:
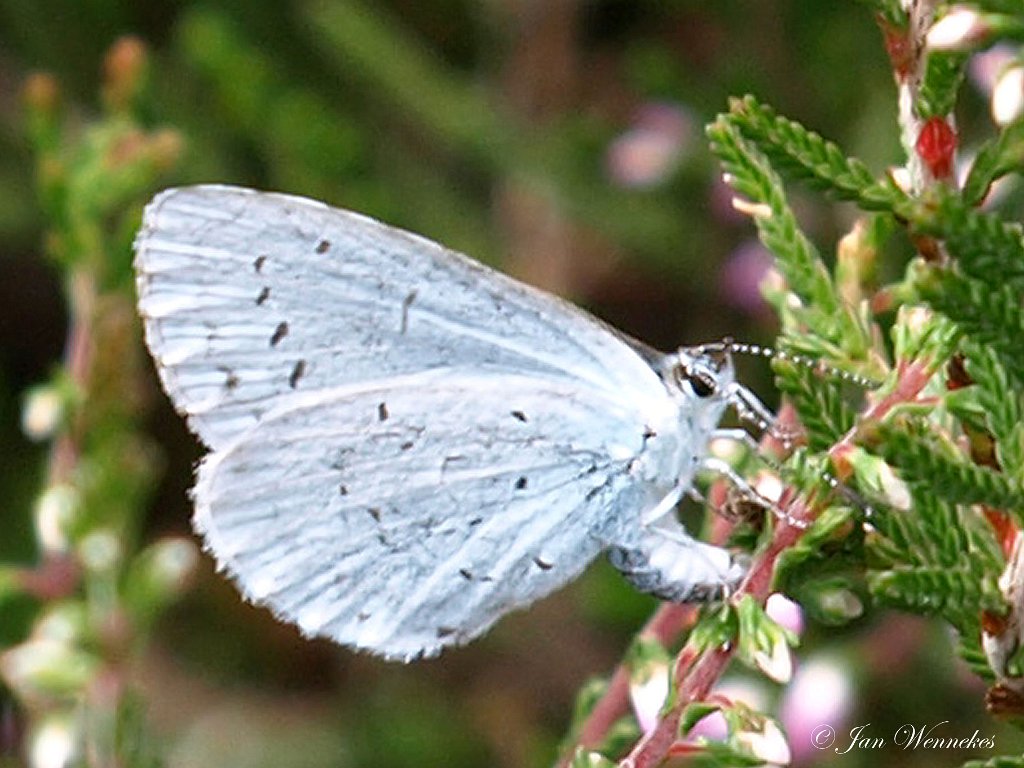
(561, 141)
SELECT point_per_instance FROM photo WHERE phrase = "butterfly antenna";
(756, 350)
(862, 381)
(745, 401)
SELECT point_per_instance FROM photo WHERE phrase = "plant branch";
(695, 676)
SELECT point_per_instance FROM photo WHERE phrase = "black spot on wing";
(279, 333)
(263, 296)
(544, 565)
(374, 513)
(445, 631)
(521, 482)
(343, 490)
(323, 246)
(297, 373)
(519, 416)
(406, 303)
(258, 263)
(382, 412)
(231, 380)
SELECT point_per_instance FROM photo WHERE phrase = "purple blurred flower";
(646, 154)
(785, 612)
(740, 280)
(648, 695)
(821, 694)
(983, 69)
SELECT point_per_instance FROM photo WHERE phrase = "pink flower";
(785, 613)
(821, 694)
(646, 154)
(740, 280)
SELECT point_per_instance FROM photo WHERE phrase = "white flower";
(959, 30)
(778, 665)
(648, 696)
(100, 550)
(170, 562)
(1008, 95)
(768, 744)
(55, 743)
(55, 511)
(895, 490)
(42, 413)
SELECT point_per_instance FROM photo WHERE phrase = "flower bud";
(42, 413)
(961, 29)
(43, 668)
(768, 744)
(100, 550)
(55, 742)
(55, 513)
(1008, 96)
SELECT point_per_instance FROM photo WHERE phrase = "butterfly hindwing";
(407, 515)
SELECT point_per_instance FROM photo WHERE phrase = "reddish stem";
(667, 623)
(696, 677)
(78, 363)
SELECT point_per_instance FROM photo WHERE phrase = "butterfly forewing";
(251, 297)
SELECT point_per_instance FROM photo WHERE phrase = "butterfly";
(404, 445)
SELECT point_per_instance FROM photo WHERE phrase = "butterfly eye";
(697, 379)
(702, 384)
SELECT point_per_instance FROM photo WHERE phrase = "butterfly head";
(705, 373)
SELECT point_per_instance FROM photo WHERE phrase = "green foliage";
(989, 315)
(1003, 761)
(998, 156)
(925, 460)
(1001, 405)
(973, 655)
(824, 413)
(802, 155)
(891, 11)
(930, 549)
(985, 245)
(103, 594)
(940, 86)
(942, 561)
(751, 175)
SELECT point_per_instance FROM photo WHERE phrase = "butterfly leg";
(750, 408)
(723, 469)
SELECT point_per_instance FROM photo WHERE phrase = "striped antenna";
(786, 437)
(756, 350)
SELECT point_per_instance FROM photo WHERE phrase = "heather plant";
(933, 451)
